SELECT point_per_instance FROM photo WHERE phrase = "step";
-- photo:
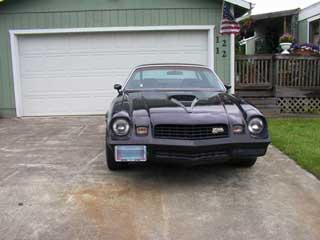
(270, 111)
(254, 94)
(262, 101)
(266, 106)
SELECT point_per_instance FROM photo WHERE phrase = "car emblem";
(218, 130)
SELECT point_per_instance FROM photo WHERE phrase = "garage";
(63, 57)
(73, 73)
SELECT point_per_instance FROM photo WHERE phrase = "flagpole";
(232, 59)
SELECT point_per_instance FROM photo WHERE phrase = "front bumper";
(214, 154)
(200, 151)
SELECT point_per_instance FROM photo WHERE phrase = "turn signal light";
(142, 131)
(237, 129)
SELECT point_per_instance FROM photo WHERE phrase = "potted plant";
(286, 41)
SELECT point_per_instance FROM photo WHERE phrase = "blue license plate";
(130, 153)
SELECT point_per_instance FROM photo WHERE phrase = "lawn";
(299, 139)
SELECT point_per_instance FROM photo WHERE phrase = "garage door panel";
(59, 104)
(92, 63)
(66, 74)
(79, 84)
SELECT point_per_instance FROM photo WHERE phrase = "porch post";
(285, 29)
(232, 64)
(232, 59)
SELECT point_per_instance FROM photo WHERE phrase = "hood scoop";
(181, 100)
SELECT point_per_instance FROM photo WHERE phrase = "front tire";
(111, 163)
(245, 163)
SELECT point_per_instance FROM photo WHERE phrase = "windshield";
(174, 78)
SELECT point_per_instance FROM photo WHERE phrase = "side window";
(135, 81)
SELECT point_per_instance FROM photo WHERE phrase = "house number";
(224, 54)
(224, 43)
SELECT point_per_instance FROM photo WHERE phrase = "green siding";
(303, 31)
(139, 15)
(85, 5)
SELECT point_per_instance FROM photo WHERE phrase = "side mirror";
(117, 87)
(227, 86)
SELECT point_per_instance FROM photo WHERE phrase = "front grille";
(176, 155)
(190, 132)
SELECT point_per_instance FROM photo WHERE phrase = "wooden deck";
(278, 77)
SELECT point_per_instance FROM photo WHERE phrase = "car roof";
(170, 65)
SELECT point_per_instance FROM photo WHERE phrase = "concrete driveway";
(54, 184)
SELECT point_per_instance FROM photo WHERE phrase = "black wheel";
(245, 162)
(111, 163)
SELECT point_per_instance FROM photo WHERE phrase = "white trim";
(244, 17)
(308, 26)
(16, 74)
(309, 12)
(232, 63)
(241, 3)
(314, 18)
(112, 29)
(232, 60)
(211, 49)
(15, 48)
(244, 41)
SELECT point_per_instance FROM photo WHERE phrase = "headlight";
(256, 126)
(121, 127)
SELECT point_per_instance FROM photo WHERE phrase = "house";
(63, 57)
(303, 24)
(309, 24)
(267, 29)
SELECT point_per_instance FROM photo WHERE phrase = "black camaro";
(180, 113)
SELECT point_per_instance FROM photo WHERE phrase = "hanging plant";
(247, 26)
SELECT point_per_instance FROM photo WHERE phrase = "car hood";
(176, 107)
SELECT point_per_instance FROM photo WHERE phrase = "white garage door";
(74, 74)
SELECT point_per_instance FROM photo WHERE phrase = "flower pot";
(285, 47)
(303, 52)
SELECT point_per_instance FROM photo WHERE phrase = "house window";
(314, 32)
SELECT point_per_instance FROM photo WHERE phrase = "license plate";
(130, 153)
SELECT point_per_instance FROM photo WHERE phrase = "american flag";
(228, 23)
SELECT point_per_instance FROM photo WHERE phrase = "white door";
(74, 74)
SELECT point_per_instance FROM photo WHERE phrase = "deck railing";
(266, 71)
(293, 82)
(296, 71)
(254, 72)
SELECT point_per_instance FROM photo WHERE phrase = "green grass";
(299, 139)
